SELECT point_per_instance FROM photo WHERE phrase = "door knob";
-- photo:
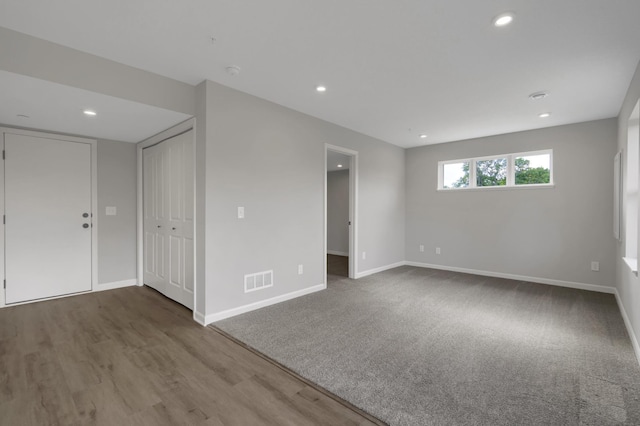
(159, 226)
(85, 225)
(173, 229)
(85, 214)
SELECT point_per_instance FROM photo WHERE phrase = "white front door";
(168, 217)
(48, 217)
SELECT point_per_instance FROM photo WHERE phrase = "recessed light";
(339, 165)
(538, 95)
(503, 19)
(321, 89)
(90, 113)
(544, 115)
(423, 136)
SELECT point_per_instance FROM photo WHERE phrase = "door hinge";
(4, 156)
(4, 219)
(5, 284)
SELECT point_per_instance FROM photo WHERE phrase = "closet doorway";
(168, 217)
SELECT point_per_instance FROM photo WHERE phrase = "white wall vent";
(258, 281)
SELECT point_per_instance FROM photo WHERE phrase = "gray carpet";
(419, 346)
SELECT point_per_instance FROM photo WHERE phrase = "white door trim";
(94, 200)
(353, 208)
(183, 127)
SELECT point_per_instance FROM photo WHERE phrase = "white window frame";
(511, 171)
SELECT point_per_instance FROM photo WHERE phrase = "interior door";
(48, 217)
(155, 225)
(168, 217)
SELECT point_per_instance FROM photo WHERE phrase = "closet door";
(155, 225)
(48, 217)
(168, 217)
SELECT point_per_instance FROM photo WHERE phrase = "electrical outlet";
(300, 269)
(421, 248)
(595, 266)
(240, 212)
(364, 255)
(437, 250)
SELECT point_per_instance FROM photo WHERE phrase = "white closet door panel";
(168, 186)
(47, 191)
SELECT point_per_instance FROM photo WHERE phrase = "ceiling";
(335, 159)
(33, 103)
(393, 69)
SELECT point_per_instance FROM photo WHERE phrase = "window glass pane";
(491, 172)
(533, 169)
(455, 175)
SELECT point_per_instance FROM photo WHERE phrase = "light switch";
(240, 212)
(111, 211)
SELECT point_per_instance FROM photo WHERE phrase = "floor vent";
(258, 281)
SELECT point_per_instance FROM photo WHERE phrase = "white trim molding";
(627, 323)
(257, 305)
(116, 284)
(559, 283)
(380, 269)
(199, 317)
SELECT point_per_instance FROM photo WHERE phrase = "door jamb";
(353, 208)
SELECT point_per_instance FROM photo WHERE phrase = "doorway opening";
(341, 177)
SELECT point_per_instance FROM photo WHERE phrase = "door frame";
(93, 143)
(174, 131)
(353, 207)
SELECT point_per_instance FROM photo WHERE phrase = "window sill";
(499, 188)
(632, 263)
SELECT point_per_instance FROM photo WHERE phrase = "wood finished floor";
(131, 356)
(338, 265)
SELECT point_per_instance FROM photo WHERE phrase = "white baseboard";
(560, 283)
(627, 323)
(115, 284)
(338, 253)
(380, 269)
(199, 318)
(260, 304)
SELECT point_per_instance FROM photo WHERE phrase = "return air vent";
(258, 281)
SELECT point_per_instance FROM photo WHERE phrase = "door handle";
(85, 214)
(159, 226)
(85, 225)
(173, 229)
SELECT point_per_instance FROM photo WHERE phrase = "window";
(456, 175)
(631, 191)
(491, 172)
(531, 169)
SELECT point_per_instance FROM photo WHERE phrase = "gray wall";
(627, 283)
(270, 160)
(550, 233)
(338, 211)
(116, 234)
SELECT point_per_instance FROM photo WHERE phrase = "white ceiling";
(335, 158)
(394, 69)
(58, 108)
